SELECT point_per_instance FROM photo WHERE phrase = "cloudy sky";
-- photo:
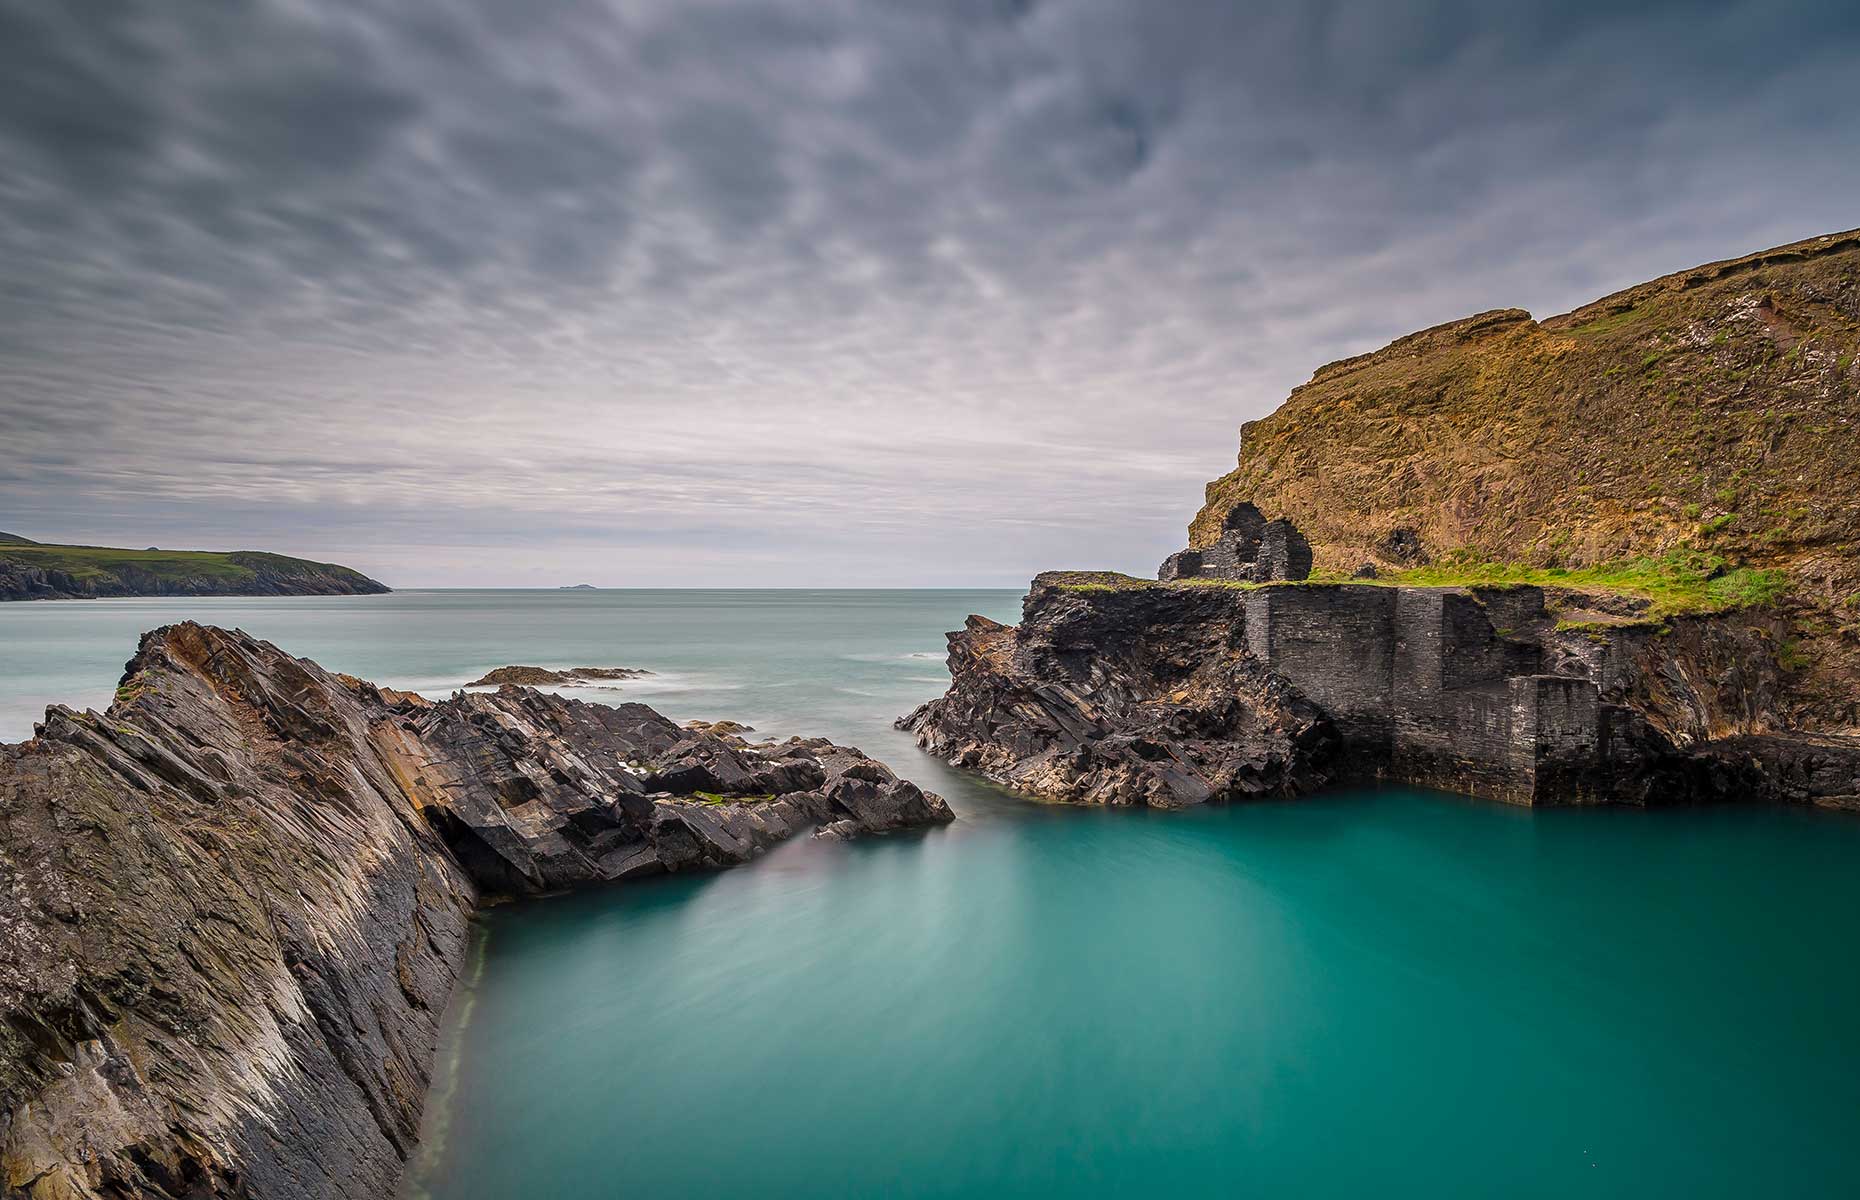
(807, 292)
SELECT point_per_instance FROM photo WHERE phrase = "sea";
(1370, 992)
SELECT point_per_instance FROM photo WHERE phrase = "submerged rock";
(232, 908)
(545, 676)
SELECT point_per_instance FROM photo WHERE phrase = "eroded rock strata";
(233, 906)
(1120, 691)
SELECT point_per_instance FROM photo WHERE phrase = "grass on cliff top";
(100, 562)
(1683, 581)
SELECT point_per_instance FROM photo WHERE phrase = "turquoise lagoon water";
(1384, 993)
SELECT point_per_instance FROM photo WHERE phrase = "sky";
(811, 293)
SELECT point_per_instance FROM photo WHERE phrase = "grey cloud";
(852, 292)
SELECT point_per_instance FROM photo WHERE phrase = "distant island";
(577, 587)
(30, 570)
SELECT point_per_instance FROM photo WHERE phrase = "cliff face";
(1714, 413)
(1717, 407)
(1119, 691)
(235, 904)
(29, 571)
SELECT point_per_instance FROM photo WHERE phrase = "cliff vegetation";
(31, 571)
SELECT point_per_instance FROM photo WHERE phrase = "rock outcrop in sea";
(235, 904)
(1120, 691)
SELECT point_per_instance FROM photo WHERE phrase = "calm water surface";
(1392, 993)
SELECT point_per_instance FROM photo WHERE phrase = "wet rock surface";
(232, 908)
(1119, 692)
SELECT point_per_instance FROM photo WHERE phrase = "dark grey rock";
(1404, 546)
(1183, 564)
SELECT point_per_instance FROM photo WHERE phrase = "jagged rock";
(1121, 693)
(1129, 697)
(235, 904)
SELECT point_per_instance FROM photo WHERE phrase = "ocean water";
(1387, 993)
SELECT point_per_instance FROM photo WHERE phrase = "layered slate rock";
(226, 938)
(1114, 690)
(535, 793)
(235, 904)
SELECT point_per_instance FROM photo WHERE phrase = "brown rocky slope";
(233, 906)
(1633, 425)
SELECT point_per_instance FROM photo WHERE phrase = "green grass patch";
(146, 568)
(1610, 323)
(715, 798)
(1683, 581)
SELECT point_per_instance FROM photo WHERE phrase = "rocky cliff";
(1712, 413)
(1634, 425)
(1114, 690)
(30, 571)
(234, 905)
(1613, 555)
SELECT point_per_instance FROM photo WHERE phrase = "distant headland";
(30, 570)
